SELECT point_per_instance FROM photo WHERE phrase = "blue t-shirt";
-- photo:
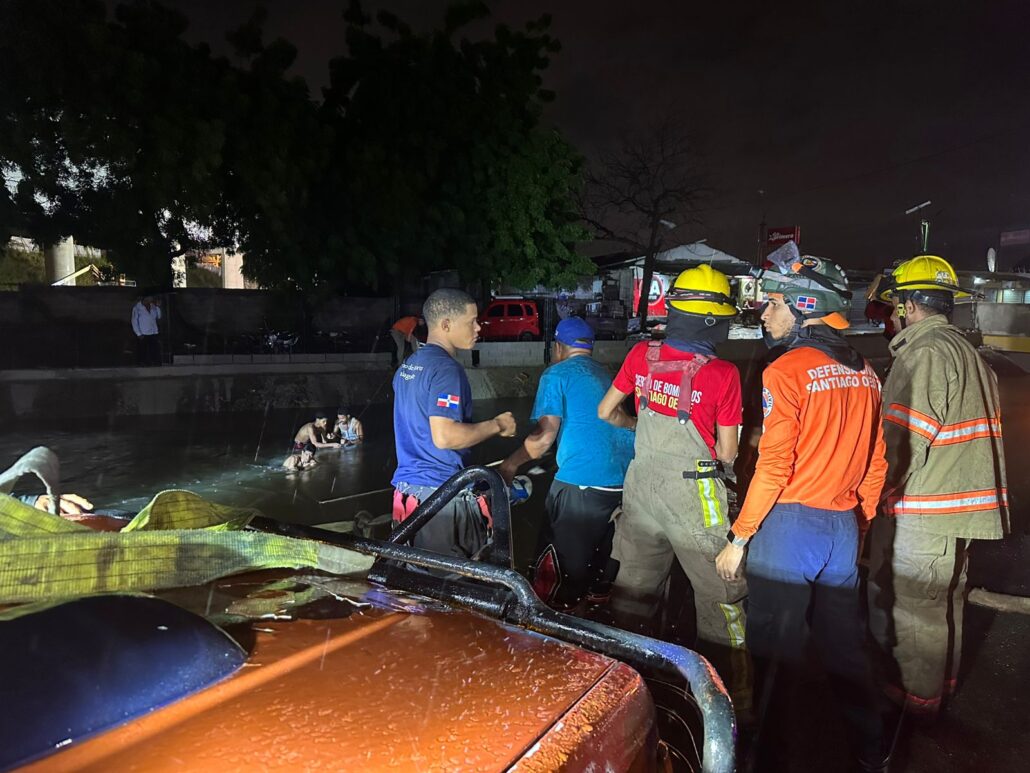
(591, 452)
(429, 383)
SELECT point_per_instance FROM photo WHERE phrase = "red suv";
(514, 318)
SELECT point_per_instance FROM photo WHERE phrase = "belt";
(705, 468)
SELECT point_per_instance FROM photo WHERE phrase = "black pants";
(148, 350)
(576, 543)
(459, 529)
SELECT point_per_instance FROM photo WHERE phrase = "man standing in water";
(576, 541)
(313, 433)
(674, 506)
(433, 431)
(348, 429)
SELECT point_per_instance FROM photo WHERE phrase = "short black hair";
(444, 303)
(341, 411)
(320, 415)
(932, 302)
(310, 447)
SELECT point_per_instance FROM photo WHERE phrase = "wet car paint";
(373, 688)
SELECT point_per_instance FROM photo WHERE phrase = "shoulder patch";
(767, 402)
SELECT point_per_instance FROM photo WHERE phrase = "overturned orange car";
(420, 662)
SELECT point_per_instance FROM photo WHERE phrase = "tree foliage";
(442, 154)
(427, 153)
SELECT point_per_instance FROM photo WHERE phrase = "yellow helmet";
(924, 272)
(702, 291)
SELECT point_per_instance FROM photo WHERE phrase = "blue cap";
(573, 331)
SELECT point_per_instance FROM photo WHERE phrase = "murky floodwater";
(235, 458)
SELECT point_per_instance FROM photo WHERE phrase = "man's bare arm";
(452, 435)
(536, 444)
(726, 440)
(611, 410)
(313, 439)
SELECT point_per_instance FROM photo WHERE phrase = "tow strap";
(177, 540)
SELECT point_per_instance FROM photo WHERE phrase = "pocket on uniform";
(920, 566)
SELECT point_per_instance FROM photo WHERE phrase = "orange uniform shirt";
(822, 440)
(406, 325)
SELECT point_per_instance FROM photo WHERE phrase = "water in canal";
(235, 458)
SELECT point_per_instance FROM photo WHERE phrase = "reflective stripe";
(964, 502)
(918, 422)
(968, 430)
(734, 624)
(709, 502)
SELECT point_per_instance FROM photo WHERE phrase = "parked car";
(455, 665)
(510, 318)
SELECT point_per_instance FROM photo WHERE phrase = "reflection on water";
(231, 458)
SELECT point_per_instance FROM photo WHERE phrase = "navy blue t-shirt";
(429, 383)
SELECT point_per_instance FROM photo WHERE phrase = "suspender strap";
(687, 370)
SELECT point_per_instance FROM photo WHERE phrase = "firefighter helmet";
(924, 272)
(703, 291)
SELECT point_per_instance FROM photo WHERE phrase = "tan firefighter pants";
(917, 591)
(665, 518)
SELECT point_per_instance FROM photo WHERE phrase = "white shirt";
(144, 322)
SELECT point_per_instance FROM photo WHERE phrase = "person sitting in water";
(347, 429)
(300, 460)
(313, 433)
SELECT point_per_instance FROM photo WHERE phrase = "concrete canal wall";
(219, 383)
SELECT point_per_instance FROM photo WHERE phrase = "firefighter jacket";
(942, 426)
(822, 441)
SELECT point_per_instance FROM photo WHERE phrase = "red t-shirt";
(716, 387)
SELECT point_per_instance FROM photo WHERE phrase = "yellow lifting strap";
(177, 540)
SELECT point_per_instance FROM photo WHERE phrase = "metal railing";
(519, 605)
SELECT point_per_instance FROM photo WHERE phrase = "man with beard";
(674, 502)
(820, 470)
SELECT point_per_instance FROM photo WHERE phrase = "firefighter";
(674, 501)
(816, 485)
(945, 485)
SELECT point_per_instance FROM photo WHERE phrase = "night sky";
(844, 113)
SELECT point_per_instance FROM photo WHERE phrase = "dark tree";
(114, 132)
(441, 152)
(637, 193)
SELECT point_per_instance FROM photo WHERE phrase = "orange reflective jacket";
(822, 441)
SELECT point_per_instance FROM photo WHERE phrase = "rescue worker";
(945, 485)
(403, 334)
(674, 503)
(820, 457)
(433, 431)
(576, 541)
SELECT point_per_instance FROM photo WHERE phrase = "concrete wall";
(89, 326)
(216, 383)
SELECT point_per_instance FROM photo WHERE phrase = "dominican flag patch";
(448, 401)
(805, 303)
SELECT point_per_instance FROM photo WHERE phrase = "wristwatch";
(736, 541)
